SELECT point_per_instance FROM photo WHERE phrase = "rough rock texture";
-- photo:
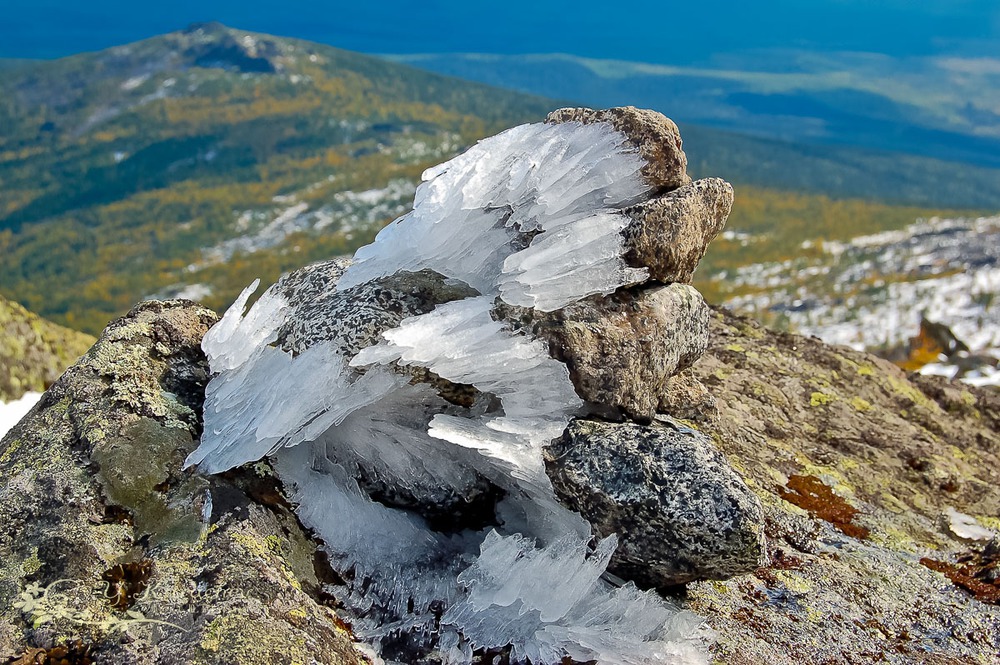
(356, 317)
(680, 512)
(855, 467)
(33, 351)
(656, 137)
(837, 442)
(622, 349)
(671, 233)
(143, 562)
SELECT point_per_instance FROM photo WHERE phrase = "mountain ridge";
(940, 107)
(122, 165)
(192, 163)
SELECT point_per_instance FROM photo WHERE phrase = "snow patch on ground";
(12, 412)
(871, 291)
(347, 211)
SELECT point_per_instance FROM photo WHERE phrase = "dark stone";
(680, 511)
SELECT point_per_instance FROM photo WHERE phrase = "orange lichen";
(809, 493)
(976, 573)
(126, 581)
(76, 653)
(933, 341)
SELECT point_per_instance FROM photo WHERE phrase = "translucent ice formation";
(413, 445)
(474, 217)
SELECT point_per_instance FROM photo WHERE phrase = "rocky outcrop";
(109, 547)
(899, 450)
(33, 352)
(851, 475)
(856, 465)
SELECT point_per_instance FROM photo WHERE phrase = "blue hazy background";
(682, 33)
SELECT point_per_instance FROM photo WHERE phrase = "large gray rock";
(854, 462)
(356, 317)
(680, 511)
(98, 511)
(622, 349)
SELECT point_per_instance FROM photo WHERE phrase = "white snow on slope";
(12, 412)
(871, 292)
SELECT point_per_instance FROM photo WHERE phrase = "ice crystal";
(472, 215)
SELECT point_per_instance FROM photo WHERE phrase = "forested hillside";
(192, 163)
(121, 168)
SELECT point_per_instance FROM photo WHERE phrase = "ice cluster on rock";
(474, 218)
(413, 443)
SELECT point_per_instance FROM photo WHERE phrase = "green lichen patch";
(860, 404)
(139, 471)
(820, 399)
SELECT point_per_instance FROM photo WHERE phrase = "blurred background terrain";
(139, 161)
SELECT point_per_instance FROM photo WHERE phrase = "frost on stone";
(235, 338)
(449, 411)
(549, 603)
(461, 342)
(573, 259)
(474, 216)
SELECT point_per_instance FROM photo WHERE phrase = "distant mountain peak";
(207, 27)
(215, 46)
(182, 148)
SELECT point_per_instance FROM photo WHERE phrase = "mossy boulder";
(110, 547)
(855, 463)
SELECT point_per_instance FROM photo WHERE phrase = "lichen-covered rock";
(680, 512)
(687, 398)
(855, 464)
(656, 137)
(622, 349)
(106, 540)
(827, 438)
(670, 234)
(354, 318)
